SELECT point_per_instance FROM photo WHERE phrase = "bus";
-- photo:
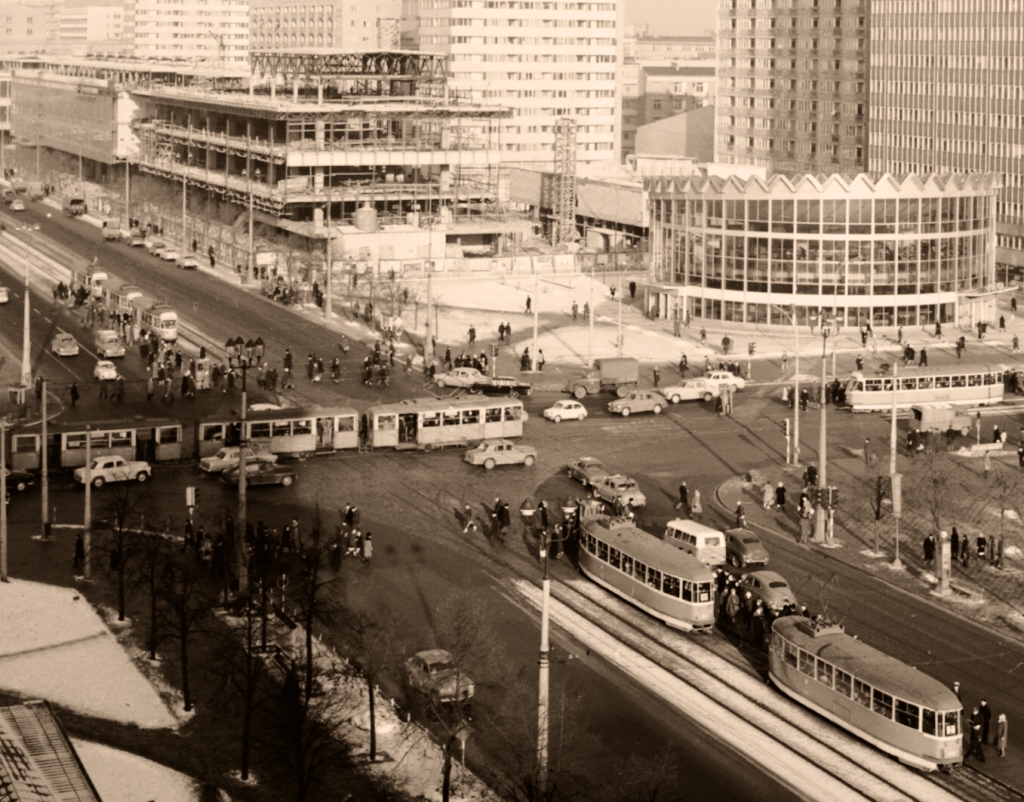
(649, 573)
(887, 703)
(303, 431)
(956, 384)
(427, 423)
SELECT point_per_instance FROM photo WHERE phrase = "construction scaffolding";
(563, 230)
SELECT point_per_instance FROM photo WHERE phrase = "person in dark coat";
(929, 550)
(954, 543)
(684, 496)
(780, 497)
(73, 392)
(975, 749)
(79, 562)
(986, 719)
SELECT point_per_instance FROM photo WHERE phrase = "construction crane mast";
(563, 230)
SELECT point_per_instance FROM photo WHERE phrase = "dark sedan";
(20, 480)
(743, 548)
(261, 473)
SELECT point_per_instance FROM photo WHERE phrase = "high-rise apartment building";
(214, 31)
(92, 28)
(947, 93)
(348, 25)
(544, 59)
(28, 26)
(792, 84)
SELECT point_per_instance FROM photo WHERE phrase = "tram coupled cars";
(956, 384)
(891, 705)
(298, 432)
(427, 423)
(649, 573)
(152, 440)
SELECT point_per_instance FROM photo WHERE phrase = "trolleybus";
(426, 423)
(889, 704)
(956, 384)
(647, 572)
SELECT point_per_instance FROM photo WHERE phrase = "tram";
(889, 704)
(154, 315)
(651, 574)
(427, 423)
(954, 384)
(92, 278)
(294, 431)
(154, 440)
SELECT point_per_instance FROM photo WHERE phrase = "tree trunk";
(246, 732)
(185, 692)
(309, 656)
(120, 589)
(446, 783)
(373, 719)
(152, 619)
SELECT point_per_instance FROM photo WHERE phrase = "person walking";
(367, 548)
(74, 394)
(929, 549)
(684, 497)
(683, 363)
(986, 719)
(467, 519)
(975, 748)
(767, 495)
(575, 311)
(732, 607)
(78, 564)
(657, 376)
(1002, 727)
(529, 304)
(695, 508)
(780, 497)
(540, 360)
(741, 516)
(923, 358)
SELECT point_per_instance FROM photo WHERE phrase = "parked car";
(137, 239)
(638, 401)
(105, 370)
(261, 473)
(768, 586)
(20, 480)
(432, 672)
(114, 469)
(5, 295)
(566, 410)
(690, 390)
(586, 470)
(501, 452)
(724, 378)
(743, 548)
(169, 254)
(154, 246)
(187, 262)
(227, 457)
(618, 488)
(64, 345)
(17, 205)
(460, 377)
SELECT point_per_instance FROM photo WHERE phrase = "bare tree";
(935, 488)
(151, 554)
(121, 517)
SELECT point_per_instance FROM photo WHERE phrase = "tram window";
(928, 721)
(951, 721)
(470, 416)
(346, 423)
(24, 444)
(925, 382)
(431, 419)
(825, 673)
(120, 438)
(591, 544)
(908, 383)
(302, 426)
(492, 415)
(886, 385)
(513, 413)
(213, 433)
(640, 572)
(654, 578)
(615, 558)
(688, 594)
(627, 565)
(100, 439)
(259, 431)
(873, 385)
(602, 551)
(942, 382)
(844, 683)
(281, 428)
(450, 418)
(806, 664)
(957, 381)
(704, 592)
(974, 380)
(861, 693)
(881, 703)
(907, 714)
(671, 586)
(990, 378)
(387, 423)
(74, 441)
(790, 653)
(168, 434)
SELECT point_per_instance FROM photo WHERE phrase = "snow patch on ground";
(124, 777)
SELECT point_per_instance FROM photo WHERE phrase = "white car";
(690, 390)
(5, 295)
(105, 370)
(187, 262)
(154, 246)
(227, 457)
(17, 205)
(169, 254)
(566, 410)
(460, 377)
(114, 469)
(724, 378)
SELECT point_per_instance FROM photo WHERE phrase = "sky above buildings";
(673, 17)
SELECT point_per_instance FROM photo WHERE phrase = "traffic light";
(195, 495)
(835, 498)
(785, 426)
(751, 348)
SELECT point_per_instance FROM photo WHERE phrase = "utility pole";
(536, 319)
(327, 298)
(26, 361)
(428, 340)
(3, 496)
(796, 392)
(87, 523)
(45, 459)
(821, 516)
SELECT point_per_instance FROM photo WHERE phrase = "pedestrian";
(954, 550)
(860, 362)
(986, 719)
(929, 549)
(1002, 323)
(1016, 344)
(684, 496)
(805, 528)
(924, 359)
(741, 516)
(867, 451)
(1002, 727)
(780, 497)
(472, 335)
(986, 464)
(695, 508)
(683, 365)
(975, 748)
(73, 392)
(467, 518)
(586, 310)
(540, 360)
(529, 304)
(104, 392)
(657, 376)
(496, 519)
(78, 564)
(899, 335)
(703, 336)
(575, 310)
(367, 548)
(956, 688)
(767, 495)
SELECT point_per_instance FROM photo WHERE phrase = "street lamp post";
(249, 175)
(243, 354)
(3, 496)
(185, 165)
(821, 520)
(796, 385)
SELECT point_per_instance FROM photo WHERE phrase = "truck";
(73, 207)
(36, 191)
(111, 227)
(941, 418)
(614, 374)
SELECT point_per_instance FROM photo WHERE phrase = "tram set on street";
(960, 384)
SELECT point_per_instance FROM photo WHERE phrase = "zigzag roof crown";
(860, 185)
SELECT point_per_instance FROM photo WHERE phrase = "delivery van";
(703, 542)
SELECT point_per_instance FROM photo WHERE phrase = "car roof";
(496, 442)
(768, 577)
(693, 527)
(430, 656)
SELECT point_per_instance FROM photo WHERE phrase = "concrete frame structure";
(793, 85)
(346, 25)
(947, 92)
(544, 60)
(884, 250)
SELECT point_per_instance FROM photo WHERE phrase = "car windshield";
(437, 668)
(222, 454)
(753, 541)
(778, 584)
(628, 485)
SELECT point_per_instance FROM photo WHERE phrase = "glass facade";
(890, 257)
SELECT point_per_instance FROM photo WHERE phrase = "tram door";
(324, 435)
(407, 428)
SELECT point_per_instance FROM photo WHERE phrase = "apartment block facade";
(347, 25)
(214, 31)
(653, 93)
(102, 26)
(28, 26)
(947, 93)
(793, 84)
(544, 59)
